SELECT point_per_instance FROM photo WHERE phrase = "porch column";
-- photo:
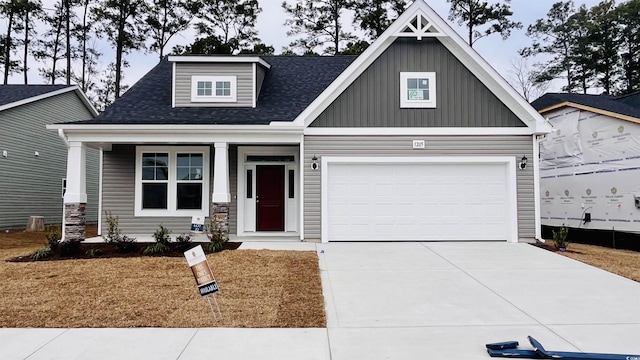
(221, 197)
(75, 196)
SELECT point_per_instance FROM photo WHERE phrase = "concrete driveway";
(397, 301)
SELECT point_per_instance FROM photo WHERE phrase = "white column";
(221, 193)
(76, 174)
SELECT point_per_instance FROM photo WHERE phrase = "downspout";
(63, 137)
(537, 139)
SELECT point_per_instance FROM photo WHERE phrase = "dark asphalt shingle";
(12, 93)
(290, 85)
(626, 104)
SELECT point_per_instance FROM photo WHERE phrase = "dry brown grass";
(622, 262)
(257, 289)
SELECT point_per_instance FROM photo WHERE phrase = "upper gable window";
(417, 89)
(213, 89)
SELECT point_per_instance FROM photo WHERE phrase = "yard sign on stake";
(206, 283)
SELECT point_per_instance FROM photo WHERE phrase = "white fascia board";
(197, 135)
(220, 59)
(424, 131)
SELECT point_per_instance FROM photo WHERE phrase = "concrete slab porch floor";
(397, 301)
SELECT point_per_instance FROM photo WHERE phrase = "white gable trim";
(424, 131)
(219, 59)
(75, 88)
(435, 27)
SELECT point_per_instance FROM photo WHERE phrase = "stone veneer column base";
(75, 221)
(220, 212)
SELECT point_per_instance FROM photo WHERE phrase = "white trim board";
(508, 161)
(75, 88)
(389, 131)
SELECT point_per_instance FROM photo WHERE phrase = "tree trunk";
(26, 46)
(7, 53)
(67, 6)
(84, 46)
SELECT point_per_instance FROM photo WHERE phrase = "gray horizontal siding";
(119, 193)
(30, 185)
(184, 72)
(319, 146)
(373, 100)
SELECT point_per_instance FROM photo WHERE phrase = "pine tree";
(231, 23)
(166, 18)
(375, 16)
(121, 22)
(319, 23)
(629, 45)
(475, 14)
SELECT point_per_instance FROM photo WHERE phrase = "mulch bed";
(104, 250)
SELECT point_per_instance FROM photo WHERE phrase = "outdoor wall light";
(314, 163)
(523, 163)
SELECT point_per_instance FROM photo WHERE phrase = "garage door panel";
(417, 201)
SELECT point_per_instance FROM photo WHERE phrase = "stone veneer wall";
(75, 221)
(220, 212)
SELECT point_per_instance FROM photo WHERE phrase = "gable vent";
(419, 27)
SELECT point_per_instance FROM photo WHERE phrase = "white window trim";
(171, 210)
(213, 98)
(406, 103)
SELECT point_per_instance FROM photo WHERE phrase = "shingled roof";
(290, 85)
(628, 105)
(13, 93)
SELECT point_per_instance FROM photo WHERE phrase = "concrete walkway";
(397, 301)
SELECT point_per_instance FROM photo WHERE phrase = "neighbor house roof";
(12, 94)
(626, 107)
(290, 85)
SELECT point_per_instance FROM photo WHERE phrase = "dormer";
(217, 81)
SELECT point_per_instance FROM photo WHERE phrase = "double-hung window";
(417, 90)
(171, 181)
(213, 89)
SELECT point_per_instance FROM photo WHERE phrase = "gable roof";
(16, 95)
(625, 107)
(290, 85)
(420, 21)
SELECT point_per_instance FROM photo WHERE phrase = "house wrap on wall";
(33, 159)
(590, 165)
(418, 138)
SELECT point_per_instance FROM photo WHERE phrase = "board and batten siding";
(118, 193)
(373, 99)
(32, 185)
(384, 146)
(184, 72)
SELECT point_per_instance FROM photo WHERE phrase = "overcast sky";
(499, 53)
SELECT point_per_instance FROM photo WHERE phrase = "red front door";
(270, 197)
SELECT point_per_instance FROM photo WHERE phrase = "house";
(590, 165)
(418, 138)
(32, 159)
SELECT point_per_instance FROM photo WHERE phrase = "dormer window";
(213, 89)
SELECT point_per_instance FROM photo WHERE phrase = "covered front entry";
(413, 199)
(268, 199)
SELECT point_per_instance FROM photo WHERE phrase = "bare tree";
(525, 80)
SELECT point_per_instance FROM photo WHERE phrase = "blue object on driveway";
(539, 352)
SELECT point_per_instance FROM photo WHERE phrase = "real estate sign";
(205, 281)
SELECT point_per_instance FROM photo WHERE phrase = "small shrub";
(560, 237)
(53, 237)
(183, 242)
(217, 236)
(114, 236)
(70, 247)
(157, 248)
(94, 252)
(162, 235)
(41, 254)
(161, 246)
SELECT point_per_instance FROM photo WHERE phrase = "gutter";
(62, 136)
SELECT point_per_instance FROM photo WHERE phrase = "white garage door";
(390, 201)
